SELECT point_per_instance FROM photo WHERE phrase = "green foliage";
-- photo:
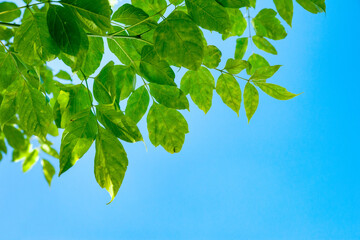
(152, 44)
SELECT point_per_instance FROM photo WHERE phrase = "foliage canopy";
(151, 38)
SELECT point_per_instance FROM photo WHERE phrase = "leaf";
(46, 148)
(167, 127)
(256, 61)
(264, 45)
(229, 90)
(14, 137)
(264, 73)
(34, 112)
(169, 96)
(125, 81)
(200, 84)
(209, 15)
(93, 56)
(179, 40)
(313, 6)
(155, 8)
(275, 91)
(251, 100)
(267, 25)
(8, 106)
(33, 41)
(48, 170)
(117, 123)
(286, 9)
(154, 69)
(124, 49)
(11, 14)
(77, 61)
(6, 33)
(241, 47)
(104, 85)
(64, 29)
(77, 139)
(234, 3)
(110, 162)
(253, 3)
(63, 75)
(30, 160)
(212, 57)
(129, 15)
(94, 15)
(8, 73)
(72, 100)
(137, 104)
(235, 66)
(238, 24)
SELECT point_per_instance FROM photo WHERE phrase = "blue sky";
(292, 173)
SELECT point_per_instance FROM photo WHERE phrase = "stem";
(26, 6)
(13, 25)
(249, 26)
(88, 90)
(223, 71)
(120, 36)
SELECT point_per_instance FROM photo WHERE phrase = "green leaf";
(267, 25)
(275, 91)
(155, 8)
(167, 127)
(34, 112)
(63, 75)
(251, 100)
(154, 69)
(77, 61)
(264, 73)
(253, 3)
(264, 45)
(94, 15)
(286, 9)
(125, 81)
(179, 40)
(234, 3)
(77, 139)
(238, 24)
(118, 124)
(137, 104)
(6, 33)
(209, 15)
(8, 106)
(33, 41)
(200, 84)
(256, 61)
(64, 29)
(46, 148)
(48, 170)
(313, 6)
(129, 15)
(169, 96)
(30, 160)
(241, 47)
(104, 85)
(93, 56)
(11, 14)
(14, 137)
(124, 49)
(212, 57)
(235, 66)
(110, 162)
(229, 90)
(72, 100)
(9, 72)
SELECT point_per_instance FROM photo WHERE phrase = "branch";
(13, 25)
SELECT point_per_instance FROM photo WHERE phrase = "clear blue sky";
(292, 173)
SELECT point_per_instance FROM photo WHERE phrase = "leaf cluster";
(151, 39)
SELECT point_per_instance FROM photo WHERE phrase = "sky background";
(292, 173)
